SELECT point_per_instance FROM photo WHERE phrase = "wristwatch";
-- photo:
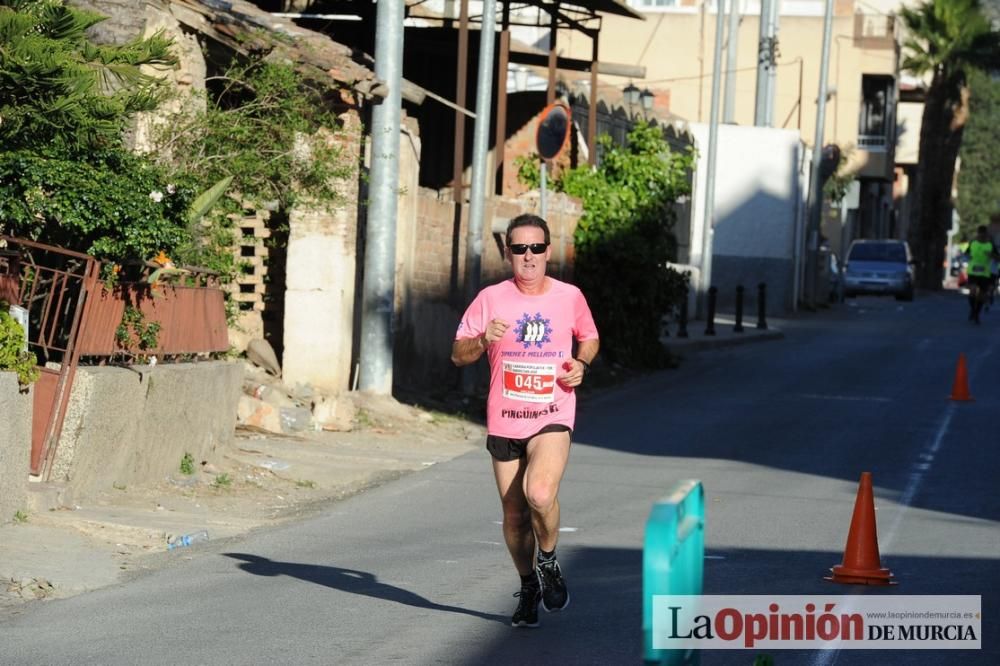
(586, 366)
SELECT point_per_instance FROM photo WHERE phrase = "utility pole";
(815, 182)
(729, 110)
(480, 145)
(766, 62)
(713, 140)
(772, 69)
(380, 236)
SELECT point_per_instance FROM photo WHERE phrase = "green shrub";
(115, 205)
(13, 358)
(624, 241)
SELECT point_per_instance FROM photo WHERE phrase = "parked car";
(879, 267)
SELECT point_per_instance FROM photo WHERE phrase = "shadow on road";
(603, 623)
(349, 580)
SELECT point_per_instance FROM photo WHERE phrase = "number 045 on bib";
(530, 382)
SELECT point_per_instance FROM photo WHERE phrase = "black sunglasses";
(521, 248)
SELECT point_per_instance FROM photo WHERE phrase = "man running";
(527, 327)
(981, 252)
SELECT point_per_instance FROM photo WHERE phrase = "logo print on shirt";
(533, 330)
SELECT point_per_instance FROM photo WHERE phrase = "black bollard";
(762, 306)
(738, 328)
(682, 323)
(710, 327)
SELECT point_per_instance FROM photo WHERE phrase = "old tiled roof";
(247, 29)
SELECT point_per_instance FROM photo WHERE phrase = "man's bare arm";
(467, 350)
(587, 350)
(576, 369)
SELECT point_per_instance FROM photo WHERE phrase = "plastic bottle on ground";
(188, 540)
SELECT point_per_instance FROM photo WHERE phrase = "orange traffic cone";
(861, 564)
(960, 389)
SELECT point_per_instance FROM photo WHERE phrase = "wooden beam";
(576, 65)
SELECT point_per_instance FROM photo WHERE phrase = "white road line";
(855, 398)
(918, 471)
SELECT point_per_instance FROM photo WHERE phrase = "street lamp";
(631, 95)
(634, 97)
(647, 97)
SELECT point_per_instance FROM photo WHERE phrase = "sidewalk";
(725, 335)
(263, 480)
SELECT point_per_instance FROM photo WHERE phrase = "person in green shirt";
(981, 253)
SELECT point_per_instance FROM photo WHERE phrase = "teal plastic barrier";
(673, 558)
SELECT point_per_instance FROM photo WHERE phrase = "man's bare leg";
(547, 456)
(520, 538)
(517, 531)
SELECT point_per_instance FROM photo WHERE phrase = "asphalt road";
(415, 572)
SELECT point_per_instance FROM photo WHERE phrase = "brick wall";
(439, 252)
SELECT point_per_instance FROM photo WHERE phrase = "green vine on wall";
(266, 131)
(134, 331)
(13, 357)
(839, 184)
(264, 134)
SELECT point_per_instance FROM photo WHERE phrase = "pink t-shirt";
(524, 394)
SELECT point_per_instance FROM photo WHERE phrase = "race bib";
(529, 382)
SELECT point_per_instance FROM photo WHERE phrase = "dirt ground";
(262, 480)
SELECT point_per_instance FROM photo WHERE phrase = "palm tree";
(945, 38)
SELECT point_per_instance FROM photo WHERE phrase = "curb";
(729, 339)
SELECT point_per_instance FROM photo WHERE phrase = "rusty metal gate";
(55, 287)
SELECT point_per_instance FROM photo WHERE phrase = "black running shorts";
(505, 449)
(981, 281)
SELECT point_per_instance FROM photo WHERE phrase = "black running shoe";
(555, 596)
(526, 614)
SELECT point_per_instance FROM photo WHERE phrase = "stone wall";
(15, 446)
(133, 425)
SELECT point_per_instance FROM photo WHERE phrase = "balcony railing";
(874, 31)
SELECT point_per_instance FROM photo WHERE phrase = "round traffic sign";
(553, 130)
